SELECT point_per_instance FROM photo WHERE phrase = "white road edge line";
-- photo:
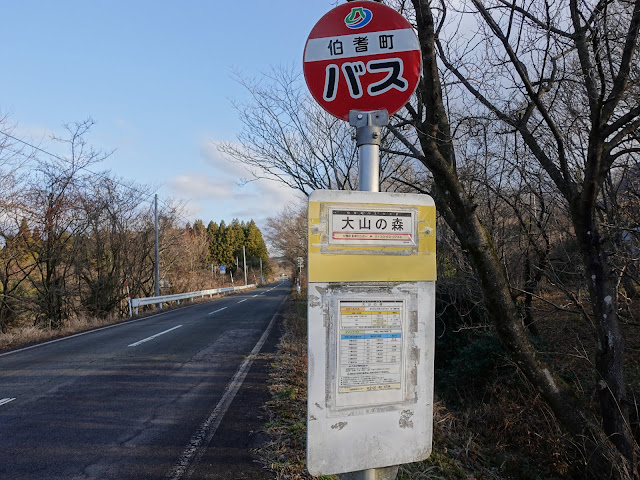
(154, 336)
(243, 300)
(4, 401)
(216, 311)
(207, 430)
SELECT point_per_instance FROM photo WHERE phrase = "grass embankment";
(488, 422)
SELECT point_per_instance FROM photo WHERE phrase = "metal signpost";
(371, 266)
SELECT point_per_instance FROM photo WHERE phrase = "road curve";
(141, 400)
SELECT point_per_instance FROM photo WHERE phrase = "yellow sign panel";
(371, 236)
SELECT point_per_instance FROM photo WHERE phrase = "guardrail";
(138, 302)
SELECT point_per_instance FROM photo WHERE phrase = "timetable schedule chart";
(370, 345)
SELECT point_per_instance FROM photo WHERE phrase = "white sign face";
(372, 227)
(370, 345)
(370, 375)
(360, 45)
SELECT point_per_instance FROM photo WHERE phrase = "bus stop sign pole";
(368, 135)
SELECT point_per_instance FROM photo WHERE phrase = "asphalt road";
(165, 397)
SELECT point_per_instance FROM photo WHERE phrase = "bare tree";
(55, 202)
(546, 64)
(287, 233)
(14, 234)
(112, 209)
(288, 137)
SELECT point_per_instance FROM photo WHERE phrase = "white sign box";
(371, 343)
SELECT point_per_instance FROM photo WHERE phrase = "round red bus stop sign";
(364, 56)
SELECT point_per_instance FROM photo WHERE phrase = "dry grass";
(456, 454)
(285, 453)
(26, 335)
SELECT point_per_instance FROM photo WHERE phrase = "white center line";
(4, 401)
(242, 300)
(153, 336)
(254, 296)
(216, 311)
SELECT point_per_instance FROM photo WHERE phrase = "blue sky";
(157, 78)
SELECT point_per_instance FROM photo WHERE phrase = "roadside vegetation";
(75, 242)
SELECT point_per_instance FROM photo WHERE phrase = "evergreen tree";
(236, 239)
(226, 242)
(198, 228)
(256, 248)
(212, 233)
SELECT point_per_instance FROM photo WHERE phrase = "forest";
(76, 242)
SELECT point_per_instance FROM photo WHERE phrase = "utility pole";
(300, 260)
(244, 256)
(261, 277)
(156, 249)
(129, 299)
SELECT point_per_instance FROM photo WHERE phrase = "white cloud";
(127, 133)
(264, 198)
(34, 133)
(220, 162)
(218, 192)
(197, 186)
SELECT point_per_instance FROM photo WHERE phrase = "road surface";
(164, 397)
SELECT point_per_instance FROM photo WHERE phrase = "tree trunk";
(458, 210)
(610, 385)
